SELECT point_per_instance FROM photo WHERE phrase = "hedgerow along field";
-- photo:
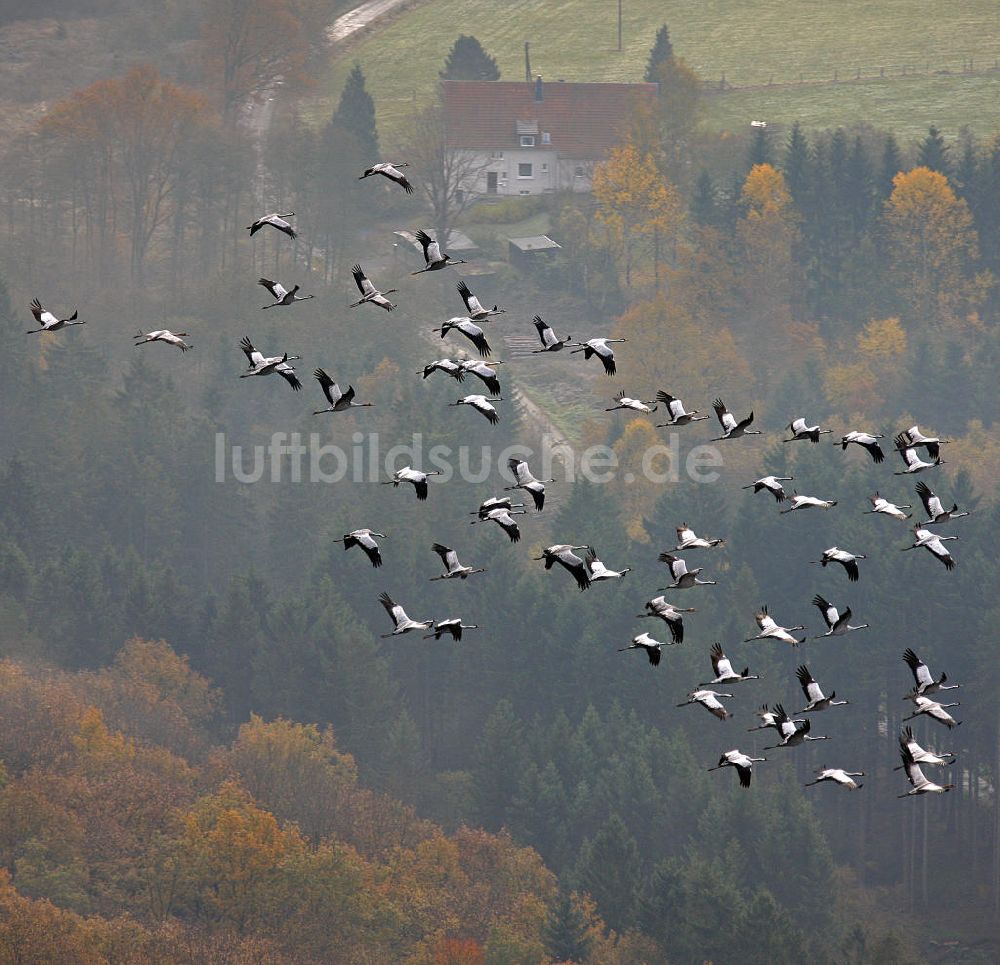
(807, 40)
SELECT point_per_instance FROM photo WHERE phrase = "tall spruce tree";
(760, 148)
(705, 203)
(468, 61)
(986, 208)
(796, 167)
(860, 187)
(933, 152)
(355, 115)
(892, 164)
(609, 870)
(565, 931)
(967, 169)
(661, 52)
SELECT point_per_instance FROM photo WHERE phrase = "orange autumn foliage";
(932, 244)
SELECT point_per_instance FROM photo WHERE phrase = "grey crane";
(278, 221)
(365, 538)
(49, 322)
(283, 297)
(741, 763)
(339, 401)
(390, 170)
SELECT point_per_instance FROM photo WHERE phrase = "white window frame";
(529, 166)
(546, 137)
(527, 140)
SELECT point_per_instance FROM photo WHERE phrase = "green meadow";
(807, 40)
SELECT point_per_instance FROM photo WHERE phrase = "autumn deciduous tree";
(932, 244)
(234, 857)
(248, 46)
(694, 359)
(458, 951)
(767, 234)
(637, 490)
(448, 177)
(295, 770)
(641, 211)
(861, 386)
(127, 136)
(679, 109)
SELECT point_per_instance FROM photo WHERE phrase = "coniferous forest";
(208, 751)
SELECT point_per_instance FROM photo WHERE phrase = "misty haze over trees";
(208, 753)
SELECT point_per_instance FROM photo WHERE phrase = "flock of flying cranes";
(587, 569)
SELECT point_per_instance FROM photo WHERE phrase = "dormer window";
(546, 137)
(527, 133)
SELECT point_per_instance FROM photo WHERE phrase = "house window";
(546, 137)
(527, 140)
(545, 168)
(578, 171)
(524, 192)
(497, 155)
(524, 171)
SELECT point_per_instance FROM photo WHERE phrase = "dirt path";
(360, 17)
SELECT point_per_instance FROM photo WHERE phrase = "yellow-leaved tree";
(641, 211)
(766, 235)
(637, 490)
(933, 247)
(860, 387)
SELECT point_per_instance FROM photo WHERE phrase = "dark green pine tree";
(933, 152)
(778, 941)
(797, 167)
(760, 148)
(538, 815)
(347, 146)
(963, 493)
(500, 760)
(838, 161)
(986, 208)
(355, 115)
(731, 202)
(661, 52)
(16, 383)
(705, 203)
(860, 188)
(404, 764)
(565, 931)
(674, 909)
(608, 869)
(468, 61)
(892, 164)
(21, 501)
(967, 169)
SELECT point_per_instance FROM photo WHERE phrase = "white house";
(524, 138)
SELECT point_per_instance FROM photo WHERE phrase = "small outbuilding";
(533, 251)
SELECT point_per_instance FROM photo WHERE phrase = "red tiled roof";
(584, 120)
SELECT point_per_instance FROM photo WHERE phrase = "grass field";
(750, 42)
(904, 105)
